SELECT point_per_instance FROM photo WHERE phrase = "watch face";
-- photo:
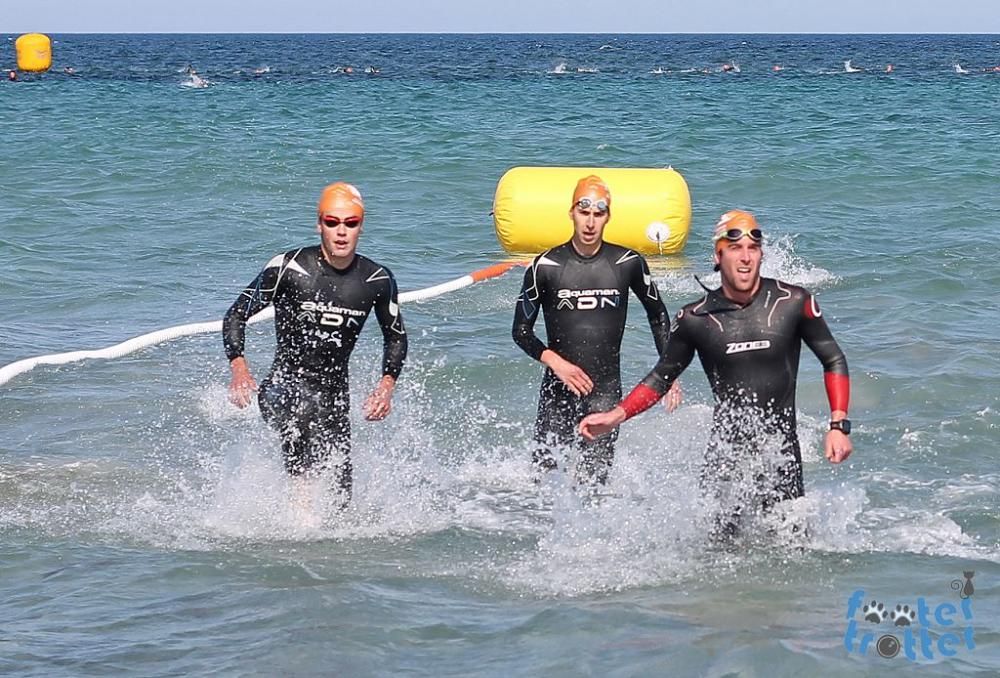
(843, 425)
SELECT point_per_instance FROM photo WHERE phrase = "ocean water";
(145, 523)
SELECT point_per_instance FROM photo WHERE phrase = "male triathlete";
(322, 296)
(748, 335)
(582, 287)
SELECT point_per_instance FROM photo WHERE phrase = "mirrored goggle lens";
(587, 203)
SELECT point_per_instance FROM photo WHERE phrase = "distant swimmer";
(194, 80)
(657, 71)
(371, 70)
(348, 69)
(777, 68)
(889, 68)
(726, 68)
(12, 75)
(748, 335)
(69, 70)
(582, 289)
(322, 296)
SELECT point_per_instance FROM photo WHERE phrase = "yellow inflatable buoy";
(34, 52)
(650, 208)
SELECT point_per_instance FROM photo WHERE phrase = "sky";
(503, 16)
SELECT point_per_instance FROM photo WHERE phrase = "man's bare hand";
(242, 386)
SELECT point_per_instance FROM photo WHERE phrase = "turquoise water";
(144, 521)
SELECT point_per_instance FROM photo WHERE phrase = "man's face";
(739, 263)
(589, 221)
(339, 228)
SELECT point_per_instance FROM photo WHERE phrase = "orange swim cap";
(738, 219)
(342, 197)
(592, 187)
(733, 226)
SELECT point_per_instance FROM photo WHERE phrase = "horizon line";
(391, 32)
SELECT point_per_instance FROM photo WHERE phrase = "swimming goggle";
(334, 222)
(735, 234)
(587, 203)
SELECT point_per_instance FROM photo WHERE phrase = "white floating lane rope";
(10, 371)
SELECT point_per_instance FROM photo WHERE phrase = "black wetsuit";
(585, 303)
(751, 357)
(319, 313)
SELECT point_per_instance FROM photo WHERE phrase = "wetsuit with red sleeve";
(319, 311)
(750, 354)
(585, 304)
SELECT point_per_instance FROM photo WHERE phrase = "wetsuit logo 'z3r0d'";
(743, 346)
(587, 300)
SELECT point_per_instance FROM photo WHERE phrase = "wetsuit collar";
(584, 257)
(328, 268)
(717, 302)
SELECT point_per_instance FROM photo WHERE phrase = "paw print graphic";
(875, 612)
(903, 615)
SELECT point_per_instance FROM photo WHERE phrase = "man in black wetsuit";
(582, 289)
(322, 296)
(748, 335)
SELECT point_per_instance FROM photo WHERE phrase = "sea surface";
(145, 525)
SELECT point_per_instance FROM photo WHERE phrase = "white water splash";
(780, 261)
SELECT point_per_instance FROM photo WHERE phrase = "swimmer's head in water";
(733, 226)
(340, 200)
(593, 192)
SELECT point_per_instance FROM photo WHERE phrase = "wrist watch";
(843, 425)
